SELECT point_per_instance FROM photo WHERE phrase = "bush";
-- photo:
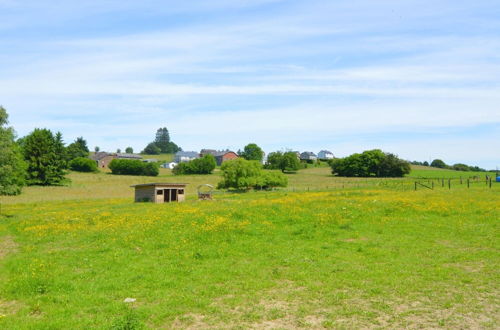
(203, 165)
(82, 164)
(133, 167)
(371, 163)
(245, 174)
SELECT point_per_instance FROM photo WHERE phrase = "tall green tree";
(252, 152)
(45, 165)
(129, 150)
(162, 141)
(162, 138)
(12, 165)
(61, 149)
(77, 149)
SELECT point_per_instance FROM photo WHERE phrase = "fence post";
(415, 185)
(442, 182)
(490, 183)
(468, 183)
(432, 185)
(449, 183)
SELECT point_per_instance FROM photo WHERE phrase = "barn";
(160, 192)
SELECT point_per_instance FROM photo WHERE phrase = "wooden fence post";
(415, 185)
(449, 183)
(468, 183)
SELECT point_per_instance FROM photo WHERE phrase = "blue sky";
(417, 78)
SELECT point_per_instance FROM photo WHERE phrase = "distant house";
(308, 155)
(204, 152)
(325, 154)
(222, 156)
(185, 156)
(104, 158)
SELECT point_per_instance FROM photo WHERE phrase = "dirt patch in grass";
(7, 246)
(278, 308)
(351, 240)
(9, 307)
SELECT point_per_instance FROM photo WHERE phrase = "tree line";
(40, 158)
(438, 163)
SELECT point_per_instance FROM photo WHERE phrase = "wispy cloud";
(282, 73)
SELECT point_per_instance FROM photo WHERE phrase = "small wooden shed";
(160, 192)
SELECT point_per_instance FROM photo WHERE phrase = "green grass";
(344, 258)
(433, 172)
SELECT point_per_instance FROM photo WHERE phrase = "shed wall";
(144, 192)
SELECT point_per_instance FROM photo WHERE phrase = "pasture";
(368, 256)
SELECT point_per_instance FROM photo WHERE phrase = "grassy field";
(373, 256)
(432, 172)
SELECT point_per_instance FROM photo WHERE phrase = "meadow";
(342, 255)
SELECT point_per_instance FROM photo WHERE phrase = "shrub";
(204, 165)
(82, 164)
(133, 167)
(245, 174)
(370, 163)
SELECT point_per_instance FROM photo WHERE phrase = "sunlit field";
(357, 256)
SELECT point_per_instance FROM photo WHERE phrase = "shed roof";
(154, 184)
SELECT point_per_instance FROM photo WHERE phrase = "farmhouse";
(307, 155)
(185, 156)
(160, 192)
(104, 158)
(222, 156)
(325, 154)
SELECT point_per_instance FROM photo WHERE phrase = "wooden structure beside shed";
(160, 192)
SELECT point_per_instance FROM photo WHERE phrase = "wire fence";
(399, 184)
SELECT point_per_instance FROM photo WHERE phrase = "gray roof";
(181, 185)
(133, 156)
(190, 154)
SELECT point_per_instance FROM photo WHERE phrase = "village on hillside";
(103, 159)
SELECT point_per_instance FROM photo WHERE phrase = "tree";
(204, 165)
(97, 149)
(370, 163)
(77, 149)
(252, 152)
(438, 163)
(460, 167)
(245, 174)
(12, 165)
(162, 141)
(286, 162)
(129, 150)
(425, 163)
(118, 151)
(61, 149)
(45, 165)
(151, 149)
